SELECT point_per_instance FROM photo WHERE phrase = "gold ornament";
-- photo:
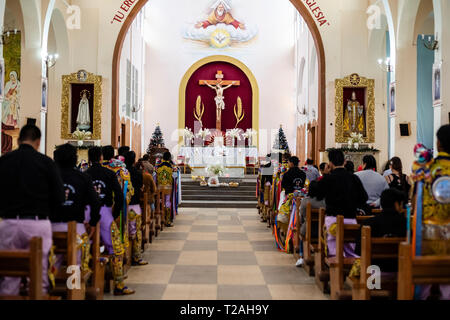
(239, 112)
(199, 110)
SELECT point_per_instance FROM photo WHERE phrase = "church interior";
(230, 124)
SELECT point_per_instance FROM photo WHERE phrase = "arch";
(58, 24)
(32, 23)
(310, 22)
(221, 58)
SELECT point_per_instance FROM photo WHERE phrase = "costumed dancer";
(164, 177)
(135, 210)
(432, 229)
(110, 194)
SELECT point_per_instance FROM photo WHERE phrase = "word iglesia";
(126, 6)
(316, 12)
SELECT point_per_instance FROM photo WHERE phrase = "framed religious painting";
(81, 104)
(355, 108)
(392, 105)
(437, 100)
(44, 94)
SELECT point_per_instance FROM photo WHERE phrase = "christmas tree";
(280, 143)
(157, 139)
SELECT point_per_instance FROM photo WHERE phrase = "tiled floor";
(225, 254)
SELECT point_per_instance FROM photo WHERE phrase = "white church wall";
(270, 57)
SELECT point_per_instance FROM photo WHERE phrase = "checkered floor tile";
(218, 254)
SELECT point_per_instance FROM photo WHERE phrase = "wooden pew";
(420, 270)
(373, 250)
(66, 244)
(310, 243)
(321, 271)
(24, 263)
(98, 264)
(338, 265)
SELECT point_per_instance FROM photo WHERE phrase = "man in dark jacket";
(344, 194)
(294, 179)
(31, 190)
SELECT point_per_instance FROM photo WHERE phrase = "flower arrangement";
(355, 139)
(203, 134)
(81, 135)
(250, 134)
(234, 134)
(217, 170)
(188, 136)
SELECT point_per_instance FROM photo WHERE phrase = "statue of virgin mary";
(83, 118)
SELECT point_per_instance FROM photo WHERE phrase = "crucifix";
(219, 85)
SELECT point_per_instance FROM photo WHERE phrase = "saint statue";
(354, 116)
(83, 118)
(11, 104)
(220, 14)
(219, 99)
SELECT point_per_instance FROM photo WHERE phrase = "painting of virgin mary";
(11, 103)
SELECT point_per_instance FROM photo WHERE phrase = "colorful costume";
(165, 181)
(432, 228)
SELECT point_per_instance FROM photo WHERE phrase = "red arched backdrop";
(244, 91)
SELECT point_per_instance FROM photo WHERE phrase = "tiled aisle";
(225, 254)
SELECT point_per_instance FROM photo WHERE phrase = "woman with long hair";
(397, 179)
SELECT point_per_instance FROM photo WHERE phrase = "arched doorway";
(310, 22)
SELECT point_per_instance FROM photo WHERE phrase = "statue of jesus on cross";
(219, 86)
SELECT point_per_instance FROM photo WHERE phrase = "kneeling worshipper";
(110, 193)
(134, 210)
(344, 194)
(432, 177)
(31, 190)
(79, 193)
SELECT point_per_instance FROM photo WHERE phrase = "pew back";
(24, 263)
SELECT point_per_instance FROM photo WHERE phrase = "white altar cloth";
(232, 159)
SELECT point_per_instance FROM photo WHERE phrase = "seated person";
(311, 172)
(344, 194)
(397, 179)
(373, 182)
(390, 223)
(80, 193)
(324, 169)
(350, 166)
(294, 179)
(316, 203)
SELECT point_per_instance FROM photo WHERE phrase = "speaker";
(31, 121)
(405, 129)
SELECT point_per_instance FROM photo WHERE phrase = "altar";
(232, 159)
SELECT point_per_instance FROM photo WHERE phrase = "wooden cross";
(224, 84)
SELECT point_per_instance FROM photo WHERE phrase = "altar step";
(194, 195)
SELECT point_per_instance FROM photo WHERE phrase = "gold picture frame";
(366, 88)
(81, 81)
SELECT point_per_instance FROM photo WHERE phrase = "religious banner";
(12, 53)
(355, 108)
(219, 28)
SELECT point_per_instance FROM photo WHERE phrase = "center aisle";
(224, 254)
